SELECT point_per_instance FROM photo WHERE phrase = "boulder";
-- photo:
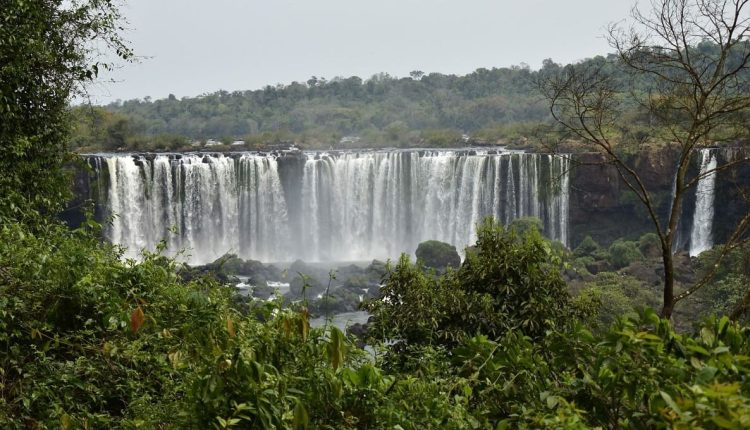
(438, 255)
(645, 271)
(598, 266)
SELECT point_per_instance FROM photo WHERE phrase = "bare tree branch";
(693, 56)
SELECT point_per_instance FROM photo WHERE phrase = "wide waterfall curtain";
(349, 206)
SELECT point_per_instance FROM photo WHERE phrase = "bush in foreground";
(90, 341)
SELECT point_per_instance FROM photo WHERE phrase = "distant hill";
(486, 106)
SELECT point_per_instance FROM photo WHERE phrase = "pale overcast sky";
(196, 46)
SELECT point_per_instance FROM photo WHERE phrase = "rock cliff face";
(82, 190)
(602, 206)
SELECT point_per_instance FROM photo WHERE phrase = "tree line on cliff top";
(427, 110)
(381, 110)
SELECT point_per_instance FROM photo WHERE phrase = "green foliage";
(45, 55)
(438, 138)
(434, 110)
(524, 224)
(508, 281)
(600, 306)
(728, 286)
(623, 252)
(492, 106)
(650, 245)
(618, 295)
(411, 304)
(582, 264)
(510, 131)
(637, 374)
(209, 366)
(601, 254)
(587, 247)
(518, 276)
(737, 261)
(89, 340)
(722, 295)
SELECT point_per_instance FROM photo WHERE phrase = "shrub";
(638, 294)
(587, 247)
(601, 306)
(638, 373)
(622, 253)
(720, 296)
(516, 279)
(90, 340)
(524, 224)
(437, 138)
(650, 245)
(601, 254)
(508, 281)
(581, 264)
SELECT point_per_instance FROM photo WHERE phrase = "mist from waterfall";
(347, 206)
(701, 238)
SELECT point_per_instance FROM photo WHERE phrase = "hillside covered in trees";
(380, 110)
(419, 110)
(488, 106)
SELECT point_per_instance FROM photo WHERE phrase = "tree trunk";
(668, 242)
(741, 307)
(668, 307)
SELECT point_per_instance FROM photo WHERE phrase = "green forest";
(430, 110)
(89, 340)
(487, 107)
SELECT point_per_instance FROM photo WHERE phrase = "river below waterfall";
(342, 320)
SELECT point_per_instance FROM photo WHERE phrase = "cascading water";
(325, 207)
(701, 238)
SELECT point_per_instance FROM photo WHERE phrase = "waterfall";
(344, 206)
(701, 238)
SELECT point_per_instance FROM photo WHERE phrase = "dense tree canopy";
(46, 53)
(428, 109)
(435, 110)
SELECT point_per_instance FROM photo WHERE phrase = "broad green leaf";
(336, 348)
(301, 417)
(670, 402)
(65, 421)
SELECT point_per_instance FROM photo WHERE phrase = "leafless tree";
(687, 64)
